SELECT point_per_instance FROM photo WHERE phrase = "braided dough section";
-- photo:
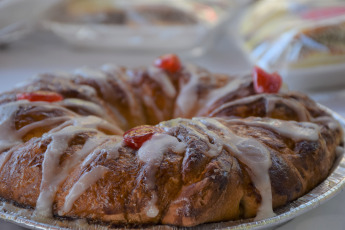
(239, 157)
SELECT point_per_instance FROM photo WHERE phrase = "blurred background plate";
(19, 17)
(148, 25)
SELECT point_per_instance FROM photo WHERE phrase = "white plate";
(210, 17)
(19, 17)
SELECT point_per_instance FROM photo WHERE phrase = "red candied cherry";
(265, 82)
(136, 136)
(169, 62)
(40, 96)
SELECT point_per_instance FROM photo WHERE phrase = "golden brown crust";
(189, 188)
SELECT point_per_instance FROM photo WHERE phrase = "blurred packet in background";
(19, 17)
(146, 25)
(302, 39)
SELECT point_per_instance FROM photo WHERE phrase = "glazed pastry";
(166, 144)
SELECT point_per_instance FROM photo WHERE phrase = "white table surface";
(44, 53)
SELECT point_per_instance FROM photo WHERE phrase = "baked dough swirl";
(224, 153)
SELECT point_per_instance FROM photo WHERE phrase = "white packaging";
(301, 39)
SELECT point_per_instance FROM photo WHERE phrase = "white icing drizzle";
(105, 88)
(88, 90)
(271, 102)
(90, 122)
(221, 92)
(154, 149)
(297, 131)
(43, 123)
(136, 110)
(58, 76)
(194, 127)
(51, 175)
(84, 182)
(216, 147)
(148, 100)
(47, 107)
(10, 137)
(108, 147)
(297, 107)
(253, 154)
(163, 80)
(329, 121)
(112, 150)
(152, 152)
(187, 99)
(92, 156)
(241, 101)
(4, 157)
(151, 209)
(8, 134)
(54, 174)
(88, 106)
(120, 119)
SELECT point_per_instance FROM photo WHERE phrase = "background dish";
(140, 25)
(19, 17)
